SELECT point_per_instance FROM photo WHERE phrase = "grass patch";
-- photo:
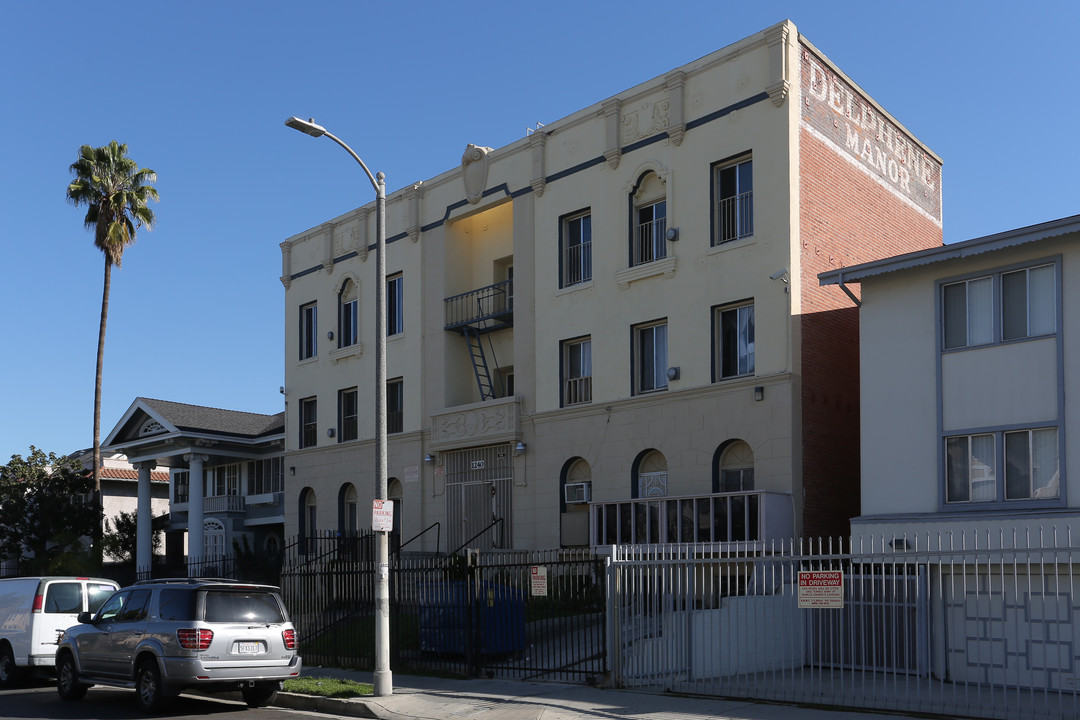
(328, 687)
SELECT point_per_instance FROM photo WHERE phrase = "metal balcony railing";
(734, 218)
(755, 516)
(487, 308)
(650, 243)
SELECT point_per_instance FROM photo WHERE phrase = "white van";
(34, 611)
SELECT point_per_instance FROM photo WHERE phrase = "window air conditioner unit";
(576, 493)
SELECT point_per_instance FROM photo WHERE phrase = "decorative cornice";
(537, 144)
(412, 198)
(360, 234)
(474, 171)
(612, 112)
(665, 267)
(286, 263)
(490, 421)
(676, 85)
(328, 248)
(779, 86)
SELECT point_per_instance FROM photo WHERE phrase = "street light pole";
(383, 678)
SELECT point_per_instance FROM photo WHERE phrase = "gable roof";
(152, 419)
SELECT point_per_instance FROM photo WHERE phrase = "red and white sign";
(821, 589)
(538, 580)
(382, 515)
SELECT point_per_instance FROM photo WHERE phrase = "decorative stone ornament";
(474, 171)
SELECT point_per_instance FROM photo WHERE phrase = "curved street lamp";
(383, 678)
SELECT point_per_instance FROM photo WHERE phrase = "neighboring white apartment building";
(611, 330)
(236, 457)
(969, 360)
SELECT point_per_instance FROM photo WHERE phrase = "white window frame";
(733, 212)
(989, 474)
(985, 318)
(745, 324)
(645, 341)
(576, 248)
(395, 314)
(309, 330)
(577, 371)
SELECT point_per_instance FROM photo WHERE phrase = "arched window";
(650, 475)
(213, 539)
(736, 467)
(648, 220)
(395, 492)
(348, 508)
(348, 324)
(575, 492)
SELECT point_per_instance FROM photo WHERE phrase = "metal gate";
(479, 486)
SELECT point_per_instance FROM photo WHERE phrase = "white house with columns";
(238, 496)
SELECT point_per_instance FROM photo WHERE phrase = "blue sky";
(200, 90)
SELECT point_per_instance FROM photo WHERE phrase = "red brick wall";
(845, 218)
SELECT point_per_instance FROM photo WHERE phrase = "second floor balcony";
(734, 517)
(484, 309)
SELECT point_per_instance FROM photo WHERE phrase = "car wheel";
(260, 694)
(148, 690)
(9, 674)
(67, 679)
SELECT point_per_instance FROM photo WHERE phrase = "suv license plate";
(247, 648)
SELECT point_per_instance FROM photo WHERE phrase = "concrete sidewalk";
(428, 698)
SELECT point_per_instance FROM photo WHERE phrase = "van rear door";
(56, 608)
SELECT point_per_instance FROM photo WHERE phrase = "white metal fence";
(979, 625)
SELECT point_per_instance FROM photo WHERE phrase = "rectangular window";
(650, 242)
(650, 356)
(348, 409)
(395, 318)
(308, 422)
(395, 405)
(223, 480)
(266, 476)
(734, 333)
(1027, 307)
(347, 333)
(1029, 458)
(733, 194)
(1031, 464)
(576, 248)
(181, 481)
(577, 371)
(309, 330)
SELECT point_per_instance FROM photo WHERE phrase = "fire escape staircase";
(475, 315)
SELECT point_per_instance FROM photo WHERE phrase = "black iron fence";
(536, 615)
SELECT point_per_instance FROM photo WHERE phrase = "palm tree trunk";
(98, 500)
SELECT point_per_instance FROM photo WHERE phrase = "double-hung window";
(576, 247)
(1000, 307)
(650, 357)
(733, 329)
(733, 197)
(308, 422)
(348, 405)
(577, 371)
(650, 228)
(395, 317)
(347, 317)
(309, 331)
(266, 476)
(395, 405)
(1009, 465)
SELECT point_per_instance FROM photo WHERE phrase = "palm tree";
(115, 191)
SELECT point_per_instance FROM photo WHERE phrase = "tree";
(45, 512)
(116, 192)
(121, 536)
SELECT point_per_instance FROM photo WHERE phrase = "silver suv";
(163, 636)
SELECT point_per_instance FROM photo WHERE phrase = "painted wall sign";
(842, 116)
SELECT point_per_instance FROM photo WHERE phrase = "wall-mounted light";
(292, 470)
(673, 373)
(672, 233)
(330, 335)
(759, 393)
(281, 389)
(329, 432)
(519, 449)
(431, 458)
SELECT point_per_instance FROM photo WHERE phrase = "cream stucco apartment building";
(611, 330)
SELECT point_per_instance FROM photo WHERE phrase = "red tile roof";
(128, 474)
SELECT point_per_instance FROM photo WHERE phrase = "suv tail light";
(289, 636)
(194, 639)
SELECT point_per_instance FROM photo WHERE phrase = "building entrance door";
(479, 486)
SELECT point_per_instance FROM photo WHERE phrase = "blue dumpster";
(449, 611)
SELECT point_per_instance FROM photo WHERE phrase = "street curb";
(335, 706)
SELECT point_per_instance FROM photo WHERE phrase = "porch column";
(196, 489)
(144, 544)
